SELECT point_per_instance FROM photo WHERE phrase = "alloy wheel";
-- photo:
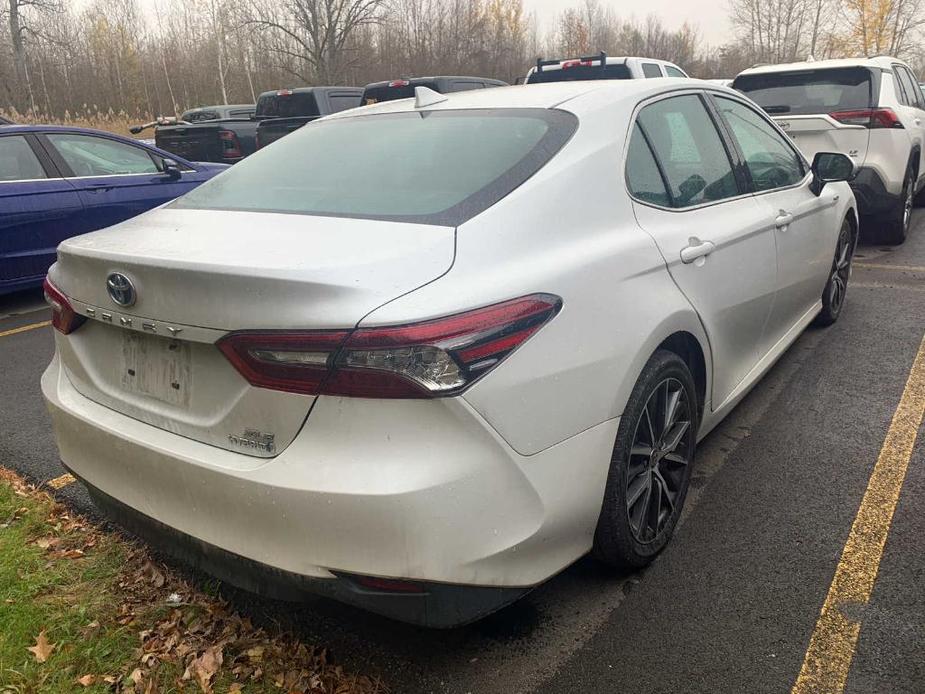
(908, 202)
(841, 269)
(660, 453)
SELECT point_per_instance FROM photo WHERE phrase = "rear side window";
(341, 102)
(17, 160)
(674, 72)
(770, 159)
(809, 91)
(286, 104)
(689, 149)
(439, 167)
(642, 174)
(911, 94)
(651, 70)
(581, 72)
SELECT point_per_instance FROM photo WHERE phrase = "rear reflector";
(63, 317)
(874, 118)
(429, 359)
(387, 585)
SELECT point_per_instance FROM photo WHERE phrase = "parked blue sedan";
(57, 182)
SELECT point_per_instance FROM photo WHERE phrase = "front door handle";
(697, 249)
(784, 219)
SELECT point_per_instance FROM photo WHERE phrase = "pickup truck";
(601, 67)
(284, 110)
(224, 134)
(404, 88)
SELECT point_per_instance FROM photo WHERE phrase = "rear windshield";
(581, 72)
(287, 105)
(373, 95)
(438, 167)
(809, 91)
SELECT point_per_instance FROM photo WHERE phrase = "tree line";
(60, 61)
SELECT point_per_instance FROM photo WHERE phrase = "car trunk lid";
(198, 275)
(823, 133)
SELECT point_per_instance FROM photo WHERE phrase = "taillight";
(231, 148)
(430, 359)
(63, 317)
(874, 118)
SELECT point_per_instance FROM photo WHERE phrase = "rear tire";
(896, 225)
(651, 464)
(836, 288)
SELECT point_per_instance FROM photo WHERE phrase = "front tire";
(836, 288)
(651, 464)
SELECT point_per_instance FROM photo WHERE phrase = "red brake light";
(63, 317)
(283, 92)
(575, 63)
(874, 118)
(429, 359)
(231, 148)
(399, 83)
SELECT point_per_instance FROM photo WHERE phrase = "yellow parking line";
(62, 481)
(896, 268)
(24, 328)
(832, 645)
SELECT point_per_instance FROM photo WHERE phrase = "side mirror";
(829, 167)
(172, 170)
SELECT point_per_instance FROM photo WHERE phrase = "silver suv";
(872, 109)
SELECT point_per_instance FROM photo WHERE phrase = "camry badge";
(120, 289)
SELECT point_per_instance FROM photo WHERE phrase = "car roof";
(434, 78)
(8, 129)
(566, 95)
(883, 62)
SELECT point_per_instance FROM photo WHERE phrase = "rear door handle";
(696, 249)
(784, 220)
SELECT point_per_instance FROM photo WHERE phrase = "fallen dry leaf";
(235, 688)
(203, 668)
(86, 680)
(42, 649)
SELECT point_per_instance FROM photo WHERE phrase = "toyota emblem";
(120, 289)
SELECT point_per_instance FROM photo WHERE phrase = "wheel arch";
(688, 347)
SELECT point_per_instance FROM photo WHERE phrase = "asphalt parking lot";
(810, 462)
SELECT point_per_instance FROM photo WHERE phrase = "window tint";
(642, 176)
(900, 89)
(439, 169)
(674, 72)
(651, 70)
(97, 156)
(341, 102)
(17, 160)
(690, 150)
(809, 91)
(615, 71)
(770, 159)
(199, 116)
(287, 104)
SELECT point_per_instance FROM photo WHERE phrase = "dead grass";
(82, 609)
(117, 122)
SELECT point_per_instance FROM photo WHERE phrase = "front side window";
(651, 70)
(770, 159)
(689, 149)
(438, 167)
(17, 160)
(88, 155)
(642, 175)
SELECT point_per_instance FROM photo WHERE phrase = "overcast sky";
(709, 16)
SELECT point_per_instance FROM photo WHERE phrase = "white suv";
(601, 67)
(872, 109)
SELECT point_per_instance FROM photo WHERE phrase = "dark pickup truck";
(404, 88)
(199, 136)
(284, 110)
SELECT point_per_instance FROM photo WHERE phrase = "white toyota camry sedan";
(421, 356)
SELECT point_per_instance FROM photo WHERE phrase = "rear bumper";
(872, 194)
(416, 490)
